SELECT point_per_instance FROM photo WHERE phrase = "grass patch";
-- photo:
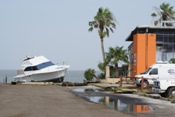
(123, 90)
(143, 92)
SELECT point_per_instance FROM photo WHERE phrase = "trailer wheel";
(171, 92)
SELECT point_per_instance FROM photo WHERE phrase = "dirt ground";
(48, 101)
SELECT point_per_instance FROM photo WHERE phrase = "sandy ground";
(48, 101)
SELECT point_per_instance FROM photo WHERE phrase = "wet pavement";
(131, 104)
(48, 101)
(88, 101)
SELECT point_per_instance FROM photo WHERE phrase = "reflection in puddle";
(112, 102)
(117, 104)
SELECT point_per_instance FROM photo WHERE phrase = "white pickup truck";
(165, 87)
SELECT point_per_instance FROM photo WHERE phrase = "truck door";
(153, 74)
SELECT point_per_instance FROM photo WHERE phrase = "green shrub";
(89, 74)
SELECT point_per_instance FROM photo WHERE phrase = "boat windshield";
(44, 65)
(38, 67)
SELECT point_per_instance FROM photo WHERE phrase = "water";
(119, 105)
(7, 73)
(71, 75)
(74, 76)
(92, 95)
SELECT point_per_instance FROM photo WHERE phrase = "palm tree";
(104, 21)
(89, 74)
(116, 55)
(172, 60)
(102, 66)
(164, 13)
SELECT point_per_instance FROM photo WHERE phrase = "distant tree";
(102, 66)
(164, 13)
(172, 60)
(101, 76)
(104, 21)
(116, 55)
(89, 74)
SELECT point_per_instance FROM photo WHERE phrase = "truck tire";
(137, 85)
(163, 94)
(171, 92)
(145, 84)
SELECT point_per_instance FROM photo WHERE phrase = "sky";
(58, 29)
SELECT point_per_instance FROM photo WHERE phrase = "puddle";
(117, 104)
(87, 90)
(112, 102)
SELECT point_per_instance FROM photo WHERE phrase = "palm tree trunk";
(103, 51)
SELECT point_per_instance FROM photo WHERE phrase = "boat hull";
(56, 76)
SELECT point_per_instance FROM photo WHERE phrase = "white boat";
(40, 69)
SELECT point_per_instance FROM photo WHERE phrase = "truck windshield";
(146, 71)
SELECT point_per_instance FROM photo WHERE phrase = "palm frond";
(104, 21)
(90, 29)
(165, 13)
(107, 32)
(153, 14)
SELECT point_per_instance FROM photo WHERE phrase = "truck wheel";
(145, 84)
(171, 92)
(137, 85)
(163, 94)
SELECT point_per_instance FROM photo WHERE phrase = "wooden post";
(133, 80)
(107, 74)
(121, 81)
(142, 83)
(6, 79)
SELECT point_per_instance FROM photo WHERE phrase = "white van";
(156, 71)
(164, 87)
